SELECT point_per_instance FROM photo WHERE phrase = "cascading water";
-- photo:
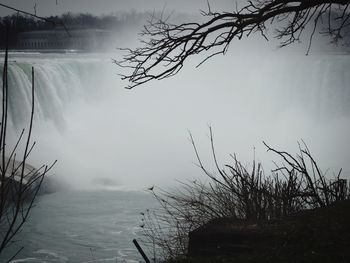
(138, 137)
(58, 83)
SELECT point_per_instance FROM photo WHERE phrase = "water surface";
(83, 226)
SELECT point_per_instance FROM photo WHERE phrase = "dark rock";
(31, 179)
(318, 235)
(223, 236)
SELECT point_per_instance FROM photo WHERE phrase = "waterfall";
(58, 83)
(139, 136)
(318, 85)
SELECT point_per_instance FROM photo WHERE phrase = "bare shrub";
(19, 182)
(240, 193)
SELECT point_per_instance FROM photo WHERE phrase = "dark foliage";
(241, 194)
(17, 23)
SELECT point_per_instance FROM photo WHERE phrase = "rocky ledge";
(30, 180)
(318, 235)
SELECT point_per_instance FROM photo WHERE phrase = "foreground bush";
(238, 193)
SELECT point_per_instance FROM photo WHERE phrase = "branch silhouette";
(166, 46)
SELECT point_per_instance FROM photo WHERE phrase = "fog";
(137, 138)
(101, 132)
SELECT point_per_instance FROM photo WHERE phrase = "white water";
(97, 129)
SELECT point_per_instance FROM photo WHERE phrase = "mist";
(100, 132)
(137, 138)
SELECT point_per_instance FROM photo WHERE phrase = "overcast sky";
(97, 7)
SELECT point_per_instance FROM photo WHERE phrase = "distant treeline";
(22, 23)
(16, 23)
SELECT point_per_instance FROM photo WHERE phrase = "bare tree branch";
(167, 46)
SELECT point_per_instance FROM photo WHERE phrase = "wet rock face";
(310, 236)
(30, 181)
(48, 186)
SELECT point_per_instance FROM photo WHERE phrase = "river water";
(82, 226)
